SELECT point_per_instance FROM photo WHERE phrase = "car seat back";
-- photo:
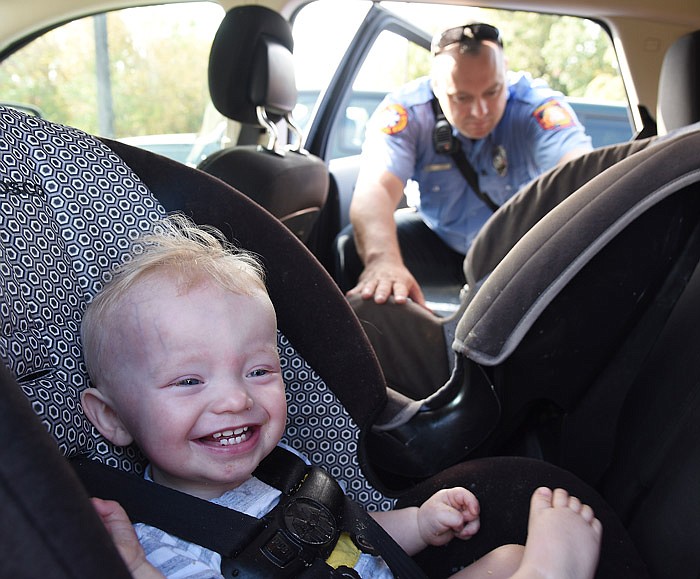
(587, 329)
(679, 84)
(251, 80)
(70, 207)
(652, 480)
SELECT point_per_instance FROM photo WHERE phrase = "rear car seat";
(251, 80)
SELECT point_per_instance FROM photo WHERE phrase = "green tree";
(158, 73)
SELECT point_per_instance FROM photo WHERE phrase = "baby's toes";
(587, 513)
(560, 498)
(575, 504)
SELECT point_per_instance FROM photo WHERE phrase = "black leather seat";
(251, 80)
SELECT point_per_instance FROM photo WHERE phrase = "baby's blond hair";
(190, 253)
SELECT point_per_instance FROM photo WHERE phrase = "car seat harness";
(297, 538)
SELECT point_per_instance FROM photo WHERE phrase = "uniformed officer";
(470, 136)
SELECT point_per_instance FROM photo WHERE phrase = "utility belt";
(295, 539)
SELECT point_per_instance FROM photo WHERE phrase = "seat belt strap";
(192, 519)
(311, 498)
(460, 159)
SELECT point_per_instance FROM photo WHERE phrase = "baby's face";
(196, 381)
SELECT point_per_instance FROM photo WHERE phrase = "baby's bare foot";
(563, 538)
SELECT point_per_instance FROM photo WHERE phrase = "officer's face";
(471, 88)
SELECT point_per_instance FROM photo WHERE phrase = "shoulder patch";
(552, 115)
(393, 119)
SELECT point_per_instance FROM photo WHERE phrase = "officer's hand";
(382, 279)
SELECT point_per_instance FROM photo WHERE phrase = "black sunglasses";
(468, 36)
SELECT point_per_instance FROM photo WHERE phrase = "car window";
(573, 55)
(138, 75)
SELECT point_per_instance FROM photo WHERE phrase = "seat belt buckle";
(298, 531)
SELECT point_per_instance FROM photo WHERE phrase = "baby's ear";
(99, 410)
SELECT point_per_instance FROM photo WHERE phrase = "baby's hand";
(448, 513)
(119, 527)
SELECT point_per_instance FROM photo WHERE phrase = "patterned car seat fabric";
(70, 207)
(68, 212)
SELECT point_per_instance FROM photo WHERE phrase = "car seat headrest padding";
(679, 84)
(544, 261)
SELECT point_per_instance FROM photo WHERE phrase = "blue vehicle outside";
(606, 124)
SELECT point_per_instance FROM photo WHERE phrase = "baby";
(181, 347)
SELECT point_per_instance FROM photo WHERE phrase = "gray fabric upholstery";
(679, 84)
(516, 217)
(553, 251)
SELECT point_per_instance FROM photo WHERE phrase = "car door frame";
(333, 98)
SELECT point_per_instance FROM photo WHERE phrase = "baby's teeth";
(227, 436)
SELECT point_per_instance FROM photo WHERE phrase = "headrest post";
(269, 126)
(296, 146)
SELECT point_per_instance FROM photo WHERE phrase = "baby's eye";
(187, 382)
(259, 372)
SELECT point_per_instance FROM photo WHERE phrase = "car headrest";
(570, 236)
(679, 84)
(251, 65)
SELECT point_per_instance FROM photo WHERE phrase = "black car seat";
(71, 205)
(588, 330)
(251, 80)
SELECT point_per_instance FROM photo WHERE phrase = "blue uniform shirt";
(538, 127)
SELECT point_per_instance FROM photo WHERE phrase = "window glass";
(139, 75)
(573, 55)
(322, 31)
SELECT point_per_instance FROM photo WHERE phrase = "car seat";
(679, 87)
(251, 80)
(71, 205)
(588, 331)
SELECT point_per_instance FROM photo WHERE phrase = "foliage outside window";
(155, 81)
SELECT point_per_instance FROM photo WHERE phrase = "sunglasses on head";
(468, 36)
